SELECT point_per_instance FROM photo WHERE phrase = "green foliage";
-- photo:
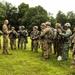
(31, 16)
(71, 18)
(35, 16)
(22, 9)
(61, 17)
(2, 14)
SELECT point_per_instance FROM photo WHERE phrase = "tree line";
(31, 16)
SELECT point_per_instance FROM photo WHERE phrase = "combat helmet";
(48, 23)
(67, 25)
(36, 27)
(58, 24)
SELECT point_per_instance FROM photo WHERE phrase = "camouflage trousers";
(13, 43)
(55, 46)
(22, 43)
(18, 43)
(65, 50)
(5, 44)
(0, 42)
(46, 49)
(59, 49)
(34, 45)
(73, 56)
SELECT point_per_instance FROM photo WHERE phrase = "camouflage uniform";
(5, 39)
(43, 26)
(0, 38)
(72, 38)
(47, 42)
(19, 36)
(59, 40)
(34, 39)
(66, 35)
(24, 38)
(13, 35)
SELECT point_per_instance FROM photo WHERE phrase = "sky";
(52, 6)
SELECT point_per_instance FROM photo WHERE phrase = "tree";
(71, 18)
(11, 14)
(2, 14)
(61, 17)
(22, 9)
(35, 16)
(52, 19)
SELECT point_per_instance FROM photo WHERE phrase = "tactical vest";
(48, 36)
(12, 35)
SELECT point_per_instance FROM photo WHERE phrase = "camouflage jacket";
(5, 30)
(34, 35)
(13, 35)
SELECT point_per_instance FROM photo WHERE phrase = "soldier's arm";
(66, 34)
(1, 32)
(5, 30)
(44, 32)
(26, 33)
(71, 37)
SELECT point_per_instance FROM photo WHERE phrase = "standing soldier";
(34, 39)
(13, 35)
(24, 37)
(48, 35)
(59, 40)
(5, 37)
(66, 42)
(19, 36)
(43, 26)
(72, 38)
(0, 38)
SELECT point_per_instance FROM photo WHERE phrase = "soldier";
(47, 34)
(19, 36)
(59, 40)
(12, 36)
(72, 38)
(66, 36)
(5, 37)
(43, 26)
(34, 39)
(0, 38)
(24, 37)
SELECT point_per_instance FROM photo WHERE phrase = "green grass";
(23, 62)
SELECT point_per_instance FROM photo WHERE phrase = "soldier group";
(60, 37)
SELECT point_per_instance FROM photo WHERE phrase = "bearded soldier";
(48, 35)
(66, 42)
(12, 36)
(72, 38)
(34, 39)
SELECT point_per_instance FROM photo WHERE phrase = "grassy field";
(26, 62)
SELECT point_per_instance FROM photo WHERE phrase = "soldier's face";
(34, 29)
(56, 27)
(6, 22)
(73, 29)
(12, 29)
(43, 27)
(65, 27)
